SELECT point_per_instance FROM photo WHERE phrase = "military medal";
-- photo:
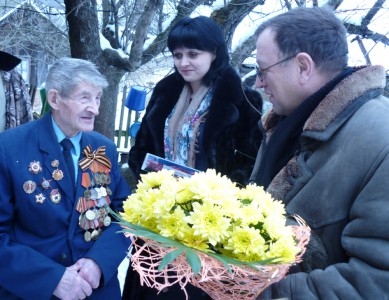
(87, 194)
(109, 192)
(35, 167)
(29, 186)
(55, 196)
(103, 178)
(87, 236)
(55, 163)
(84, 204)
(108, 178)
(103, 201)
(40, 198)
(103, 191)
(96, 178)
(57, 174)
(46, 184)
(107, 221)
(93, 206)
(90, 215)
(95, 234)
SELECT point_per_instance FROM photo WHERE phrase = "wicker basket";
(242, 282)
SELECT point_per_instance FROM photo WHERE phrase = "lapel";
(51, 152)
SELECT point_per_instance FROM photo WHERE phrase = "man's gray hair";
(316, 31)
(67, 73)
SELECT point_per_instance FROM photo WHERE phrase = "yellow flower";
(173, 225)
(284, 248)
(247, 242)
(208, 222)
(208, 212)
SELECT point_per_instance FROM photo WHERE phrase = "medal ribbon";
(85, 180)
(95, 156)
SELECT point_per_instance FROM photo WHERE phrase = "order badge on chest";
(93, 206)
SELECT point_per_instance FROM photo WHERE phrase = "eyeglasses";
(261, 72)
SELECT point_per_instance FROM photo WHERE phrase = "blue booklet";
(153, 163)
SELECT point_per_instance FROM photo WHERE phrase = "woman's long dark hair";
(204, 34)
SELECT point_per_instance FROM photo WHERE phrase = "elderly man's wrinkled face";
(78, 111)
(278, 74)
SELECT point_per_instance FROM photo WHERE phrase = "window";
(24, 68)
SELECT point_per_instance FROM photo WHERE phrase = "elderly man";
(326, 155)
(58, 179)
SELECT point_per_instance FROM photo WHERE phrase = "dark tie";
(67, 147)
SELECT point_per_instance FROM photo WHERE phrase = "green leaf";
(168, 258)
(193, 259)
(191, 255)
(227, 261)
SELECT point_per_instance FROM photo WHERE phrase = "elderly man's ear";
(52, 98)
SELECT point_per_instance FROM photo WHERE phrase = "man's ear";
(306, 66)
(53, 98)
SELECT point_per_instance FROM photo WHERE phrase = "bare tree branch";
(184, 8)
(141, 31)
(363, 49)
(366, 33)
(231, 15)
(372, 12)
(333, 4)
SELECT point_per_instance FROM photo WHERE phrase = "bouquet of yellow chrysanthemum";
(206, 230)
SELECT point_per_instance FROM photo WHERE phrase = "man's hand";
(89, 271)
(72, 286)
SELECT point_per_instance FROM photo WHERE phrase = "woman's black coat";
(231, 135)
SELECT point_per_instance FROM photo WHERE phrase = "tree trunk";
(84, 40)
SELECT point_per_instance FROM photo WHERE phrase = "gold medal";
(57, 174)
(29, 186)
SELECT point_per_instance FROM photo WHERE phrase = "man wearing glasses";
(325, 155)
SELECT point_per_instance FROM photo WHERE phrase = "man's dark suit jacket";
(39, 239)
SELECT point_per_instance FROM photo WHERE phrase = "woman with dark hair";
(201, 116)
